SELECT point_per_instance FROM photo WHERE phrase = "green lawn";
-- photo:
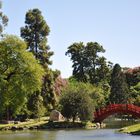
(133, 129)
(28, 124)
(43, 124)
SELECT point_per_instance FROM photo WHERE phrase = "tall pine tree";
(35, 34)
(119, 88)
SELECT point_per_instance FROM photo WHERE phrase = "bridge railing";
(132, 107)
(117, 107)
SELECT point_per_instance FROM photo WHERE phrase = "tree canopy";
(20, 74)
(132, 76)
(119, 87)
(88, 64)
(35, 34)
(29, 87)
(76, 102)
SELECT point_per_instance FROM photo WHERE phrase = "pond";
(98, 134)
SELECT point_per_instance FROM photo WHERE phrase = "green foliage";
(119, 88)
(88, 65)
(133, 80)
(48, 90)
(35, 34)
(67, 124)
(35, 105)
(20, 74)
(137, 87)
(132, 76)
(76, 102)
(98, 93)
(3, 19)
(135, 94)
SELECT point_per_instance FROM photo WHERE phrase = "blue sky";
(115, 24)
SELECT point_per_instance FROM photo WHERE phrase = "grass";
(28, 124)
(67, 124)
(44, 124)
(133, 129)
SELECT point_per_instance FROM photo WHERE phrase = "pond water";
(98, 134)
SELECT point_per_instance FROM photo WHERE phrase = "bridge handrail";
(121, 107)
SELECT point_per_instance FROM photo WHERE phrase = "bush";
(76, 102)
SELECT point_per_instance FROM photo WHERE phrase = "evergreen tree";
(35, 34)
(35, 106)
(119, 88)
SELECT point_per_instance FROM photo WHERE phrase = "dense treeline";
(111, 83)
(29, 88)
(27, 84)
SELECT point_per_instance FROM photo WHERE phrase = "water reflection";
(100, 134)
(119, 123)
(51, 135)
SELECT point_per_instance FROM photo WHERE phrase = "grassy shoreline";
(132, 129)
(43, 123)
(30, 124)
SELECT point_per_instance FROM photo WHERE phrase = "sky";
(115, 24)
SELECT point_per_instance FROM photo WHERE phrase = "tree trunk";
(7, 113)
(73, 119)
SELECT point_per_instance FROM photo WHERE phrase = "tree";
(133, 81)
(76, 102)
(88, 65)
(35, 34)
(134, 94)
(3, 19)
(119, 88)
(132, 76)
(20, 75)
(59, 84)
(35, 106)
(99, 94)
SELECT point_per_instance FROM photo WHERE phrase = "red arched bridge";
(111, 109)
